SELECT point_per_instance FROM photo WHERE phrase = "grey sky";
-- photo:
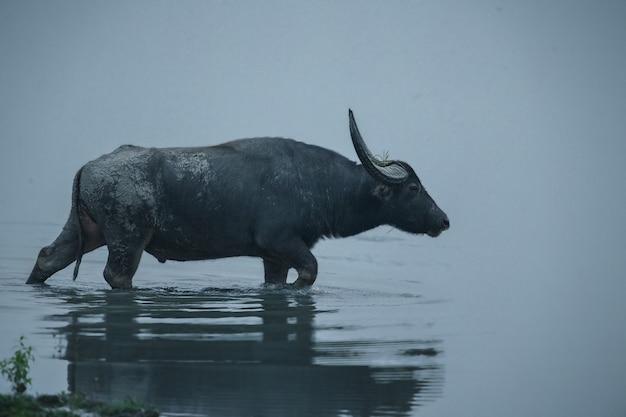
(504, 109)
(508, 111)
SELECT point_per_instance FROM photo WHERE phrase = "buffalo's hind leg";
(56, 256)
(124, 256)
(64, 249)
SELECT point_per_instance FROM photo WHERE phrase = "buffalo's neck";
(357, 209)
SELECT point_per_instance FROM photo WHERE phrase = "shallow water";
(194, 339)
(394, 326)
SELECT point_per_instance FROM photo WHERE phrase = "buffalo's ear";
(382, 192)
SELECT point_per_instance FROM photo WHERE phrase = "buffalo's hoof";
(121, 286)
(119, 283)
(301, 283)
(36, 276)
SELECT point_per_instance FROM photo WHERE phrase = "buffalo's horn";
(390, 172)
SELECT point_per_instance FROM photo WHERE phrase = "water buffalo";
(271, 198)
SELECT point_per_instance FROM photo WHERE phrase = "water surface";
(207, 338)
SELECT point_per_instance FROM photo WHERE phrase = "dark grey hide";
(271, 198)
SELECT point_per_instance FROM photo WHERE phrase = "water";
(207, 338)
(396, 325)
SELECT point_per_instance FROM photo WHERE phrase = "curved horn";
(390, 172)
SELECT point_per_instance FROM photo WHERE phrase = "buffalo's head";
(405, 200)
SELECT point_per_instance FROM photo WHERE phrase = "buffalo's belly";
(188, 244)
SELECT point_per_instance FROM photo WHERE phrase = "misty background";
(512, 114)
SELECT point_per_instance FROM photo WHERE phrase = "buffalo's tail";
(76, 210)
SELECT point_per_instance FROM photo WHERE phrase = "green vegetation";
(126, 408)
(27, 406)
(68, 405)
(16, 368)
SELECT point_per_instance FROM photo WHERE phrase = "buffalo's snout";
(439, 222)
(445, 223)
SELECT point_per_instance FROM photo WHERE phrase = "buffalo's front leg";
(295, 253)
(275, 271)
(307, 271)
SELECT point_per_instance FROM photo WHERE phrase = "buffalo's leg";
(64, 249)
(125, 242)
(122, 263)
(297, 255)
(56, 256)
(275, 271)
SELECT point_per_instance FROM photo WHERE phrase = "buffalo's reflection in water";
(227, 352)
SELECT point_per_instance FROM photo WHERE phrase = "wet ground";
(396, 325)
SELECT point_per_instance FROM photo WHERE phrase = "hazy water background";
(512, 114)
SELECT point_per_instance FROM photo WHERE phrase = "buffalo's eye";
(415, 188)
